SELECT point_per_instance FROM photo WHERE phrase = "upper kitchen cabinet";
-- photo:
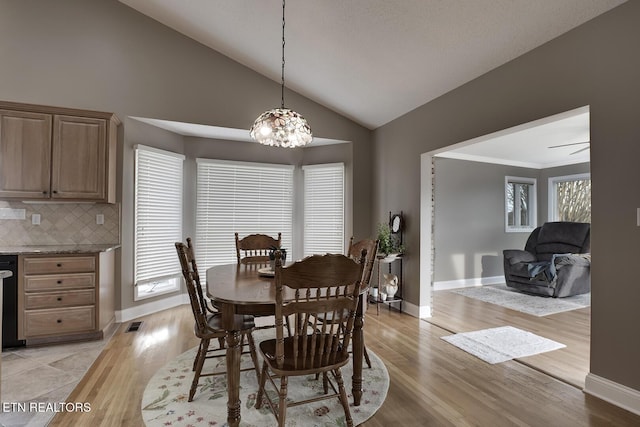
(51, 153)
(25, 154)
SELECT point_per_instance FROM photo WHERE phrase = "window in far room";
(520, 204)
(570, 198)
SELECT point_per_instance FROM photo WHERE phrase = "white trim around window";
(520, 212)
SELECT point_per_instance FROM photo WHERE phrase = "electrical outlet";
(35, 219)
(100, 219)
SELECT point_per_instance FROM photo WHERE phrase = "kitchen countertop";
(57, 249)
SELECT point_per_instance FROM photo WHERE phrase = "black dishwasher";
(10, 303)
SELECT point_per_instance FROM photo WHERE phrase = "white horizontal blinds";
(158, 213)
(323, 209)
(241, 197)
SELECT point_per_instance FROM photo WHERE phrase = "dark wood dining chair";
(208, 322)
(255, 248)
(354, 251)
(319, 286)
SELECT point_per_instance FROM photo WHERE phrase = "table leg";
(233, 378)
(234, 352)
(358, 353)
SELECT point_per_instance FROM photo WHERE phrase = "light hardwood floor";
(457, 313)
(432, 382)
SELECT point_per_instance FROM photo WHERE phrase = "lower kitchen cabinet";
(66, 297)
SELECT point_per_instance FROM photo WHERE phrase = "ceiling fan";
(574, 143)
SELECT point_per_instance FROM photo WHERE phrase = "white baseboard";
(612, 392)
(150, 308)
(467, 283)
(416, 311)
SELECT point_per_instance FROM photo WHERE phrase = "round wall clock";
(396, 223)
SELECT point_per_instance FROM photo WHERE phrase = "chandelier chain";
(281, 127)
(282, 81)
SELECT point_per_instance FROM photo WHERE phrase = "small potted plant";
(389, 245)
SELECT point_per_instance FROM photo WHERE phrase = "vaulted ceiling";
(375, 60)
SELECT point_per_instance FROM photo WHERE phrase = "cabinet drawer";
(59, 321)
(59, 299)
(59, 265)
(57, 282)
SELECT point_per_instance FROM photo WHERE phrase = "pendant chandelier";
(281, 127)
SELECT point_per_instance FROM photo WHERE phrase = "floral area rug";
(164, 402)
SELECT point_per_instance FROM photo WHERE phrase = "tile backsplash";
(60, 224)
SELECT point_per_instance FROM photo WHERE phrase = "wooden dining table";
(240, 289)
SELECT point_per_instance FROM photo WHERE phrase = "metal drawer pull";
(59, 265)
(59, 282)
(59, 321)
(59, 298)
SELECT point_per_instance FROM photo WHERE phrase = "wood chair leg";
(366, 356)
(343, 397)
(325, 383)
(263, 380)
(282, 405)
(204, 344)
(254, 356)
(195, 361)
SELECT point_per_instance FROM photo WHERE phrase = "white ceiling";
(553, 141)
(373, 60)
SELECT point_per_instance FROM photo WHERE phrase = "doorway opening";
(465, 214)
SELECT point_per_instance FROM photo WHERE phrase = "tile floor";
(42, 374)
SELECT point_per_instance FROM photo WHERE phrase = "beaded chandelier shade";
(281, 127)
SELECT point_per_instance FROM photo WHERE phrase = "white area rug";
(497, 345)
(164, 401)
(535, 305)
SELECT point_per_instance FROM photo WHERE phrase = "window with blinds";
(241, 197)
(323, 208)
(158, 221)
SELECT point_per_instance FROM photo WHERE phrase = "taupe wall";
(102, 55)
(596, 64)
(469, 215)
(469, 218)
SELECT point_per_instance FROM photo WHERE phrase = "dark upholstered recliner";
(556, 261)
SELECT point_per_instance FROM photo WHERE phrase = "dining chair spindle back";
(255, 248)
(324, 286)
